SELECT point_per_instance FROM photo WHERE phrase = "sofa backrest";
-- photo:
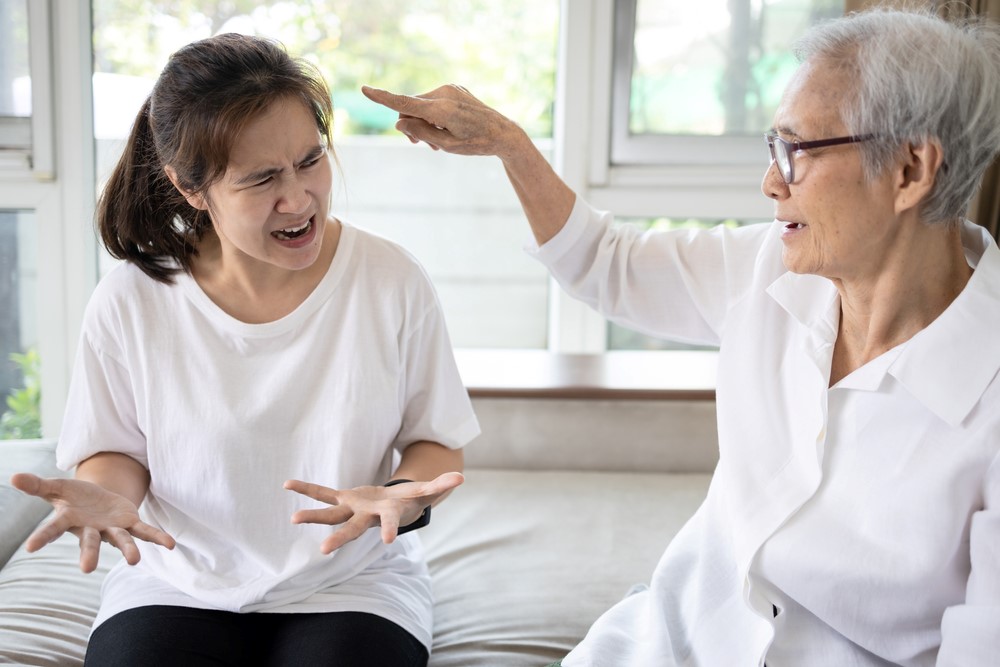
(624, 435)
(19, 514)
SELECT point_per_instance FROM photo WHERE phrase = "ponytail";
(141, 216)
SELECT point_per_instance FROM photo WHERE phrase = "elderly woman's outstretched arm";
(451, 119)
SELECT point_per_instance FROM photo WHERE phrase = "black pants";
(165, 636)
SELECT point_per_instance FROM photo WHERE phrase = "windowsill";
(612, 375)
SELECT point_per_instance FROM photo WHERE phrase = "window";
(15, 91)
(684, 72)
(25, 109)
(47, 249)
(458, 216)
(677, 130)
(19, 413)
(19, 381)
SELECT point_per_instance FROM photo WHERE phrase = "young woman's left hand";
(356, 510)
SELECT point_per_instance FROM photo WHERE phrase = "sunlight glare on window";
(716, 66)
(15, 82)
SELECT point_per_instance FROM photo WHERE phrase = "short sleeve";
(436, 405)
(100, 410)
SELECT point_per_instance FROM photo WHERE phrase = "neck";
(916, 281)
(253, 291)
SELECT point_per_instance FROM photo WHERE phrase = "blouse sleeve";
(970, 632)
(675, 284)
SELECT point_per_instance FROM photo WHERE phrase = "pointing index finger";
(406, 105)
(385, 98)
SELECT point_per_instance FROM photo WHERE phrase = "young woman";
(250, 341)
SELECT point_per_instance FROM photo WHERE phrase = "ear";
(196, 199)
(917, 173)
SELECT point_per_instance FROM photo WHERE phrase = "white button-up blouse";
(857, 524)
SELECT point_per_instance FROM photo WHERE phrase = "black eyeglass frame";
(788, 170)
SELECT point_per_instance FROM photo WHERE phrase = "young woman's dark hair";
(205, 96)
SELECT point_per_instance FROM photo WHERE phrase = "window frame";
(27, 144)
(585, 101)
(60, 191)
(661, 149)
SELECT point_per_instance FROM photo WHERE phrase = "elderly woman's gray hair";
(919, 77)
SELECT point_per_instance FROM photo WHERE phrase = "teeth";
(292, 230)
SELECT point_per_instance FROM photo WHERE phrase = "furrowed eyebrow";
(257, 176)
(262, 174)
(315, 153)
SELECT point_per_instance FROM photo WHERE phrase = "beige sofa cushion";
(19, 514)
(522, 563)
(47, 605)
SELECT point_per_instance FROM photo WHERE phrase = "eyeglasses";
(781, 150)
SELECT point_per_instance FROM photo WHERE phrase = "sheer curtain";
(985, 207)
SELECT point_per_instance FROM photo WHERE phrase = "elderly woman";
(854, 517)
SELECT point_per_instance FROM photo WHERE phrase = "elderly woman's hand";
(364, 507)
(450, 118)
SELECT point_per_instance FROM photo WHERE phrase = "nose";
(294, 196)
(773, 186)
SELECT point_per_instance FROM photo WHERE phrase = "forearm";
(547, 201)
(424, 461)
(117, 473)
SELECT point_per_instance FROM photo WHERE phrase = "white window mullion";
(40, 58)
(74, 130)
(574, 327)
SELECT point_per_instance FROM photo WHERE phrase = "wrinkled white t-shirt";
(222, 412)
(867, 514)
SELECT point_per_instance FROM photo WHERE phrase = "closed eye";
(313, 158)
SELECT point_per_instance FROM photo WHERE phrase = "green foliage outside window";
(502, 50)
(22, 420)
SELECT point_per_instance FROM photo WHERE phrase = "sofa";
(567, 503)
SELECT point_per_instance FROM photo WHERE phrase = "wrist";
(421, 521)
(518, 152)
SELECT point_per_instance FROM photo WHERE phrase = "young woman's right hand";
(93, 514)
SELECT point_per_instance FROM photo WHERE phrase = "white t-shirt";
(867, 513)
(222, 412)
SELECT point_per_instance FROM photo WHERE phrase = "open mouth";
(290, 233)
(794, 225)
